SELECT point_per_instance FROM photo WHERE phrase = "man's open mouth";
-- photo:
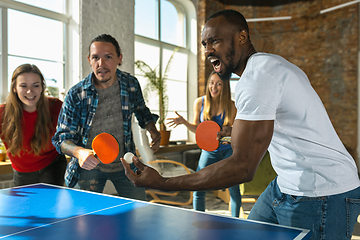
(216, 64)
(102, 71)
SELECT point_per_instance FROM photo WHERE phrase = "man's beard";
(228, 68)
(105, 80)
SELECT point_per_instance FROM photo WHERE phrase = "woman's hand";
(176, 121)
(224, 132)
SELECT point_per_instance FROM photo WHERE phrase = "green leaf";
(156, 83)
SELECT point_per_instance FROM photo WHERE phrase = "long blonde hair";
(225, 101)
(12, 132)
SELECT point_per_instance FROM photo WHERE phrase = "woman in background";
(28, 122)
(216, 106)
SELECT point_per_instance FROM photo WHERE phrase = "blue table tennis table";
(43, 211)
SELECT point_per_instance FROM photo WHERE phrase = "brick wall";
(205, 9)
(325, 46)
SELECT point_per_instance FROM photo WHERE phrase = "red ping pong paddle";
(206, 134)
(106, 147)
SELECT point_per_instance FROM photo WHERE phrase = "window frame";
(190, 49)
(71, 71)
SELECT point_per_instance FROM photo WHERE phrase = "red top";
(28, 162)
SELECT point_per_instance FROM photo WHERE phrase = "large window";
(34, 31)
(160, 27)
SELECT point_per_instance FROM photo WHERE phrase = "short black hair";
(233, 17)
(107, 38)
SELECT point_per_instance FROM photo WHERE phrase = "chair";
(165, 167)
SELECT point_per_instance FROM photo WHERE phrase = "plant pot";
(165, 137)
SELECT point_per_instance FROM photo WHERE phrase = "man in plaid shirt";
(102, 102)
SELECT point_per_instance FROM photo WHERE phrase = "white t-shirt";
(305, 151)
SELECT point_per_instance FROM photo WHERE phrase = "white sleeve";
(257, 95)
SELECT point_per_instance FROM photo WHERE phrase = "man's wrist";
(69, 148)
(163, 184)
(151, 128)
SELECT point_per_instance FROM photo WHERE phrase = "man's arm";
(86, 157)
(155, 136)
(250, 140)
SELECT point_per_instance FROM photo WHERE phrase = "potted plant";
(156, 83)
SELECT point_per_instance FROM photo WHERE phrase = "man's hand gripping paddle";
(206, 134)
(105, 147)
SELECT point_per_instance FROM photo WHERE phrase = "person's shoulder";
(55, 105)
(127, 77)
(233, 104)
(76, 88)
(267, 58)
(54, 101)
(265, 63)
(2, 108)
(128, 81)
(79, 88)
(84, 83)
(198, 102)
(263, 56)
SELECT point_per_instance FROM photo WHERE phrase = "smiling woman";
(215, 106)
(28, 88)
(28, 121)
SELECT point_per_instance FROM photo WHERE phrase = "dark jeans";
(94, 180)
(206, 159)
(52, 174)
(328, 217)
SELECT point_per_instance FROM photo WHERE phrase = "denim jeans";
(328, 217)
(206, 159)
(95, 180)
(52, 174)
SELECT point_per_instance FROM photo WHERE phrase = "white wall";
(111, 17)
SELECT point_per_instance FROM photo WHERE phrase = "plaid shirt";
(79, 109)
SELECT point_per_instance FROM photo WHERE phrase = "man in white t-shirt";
(317, 187)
